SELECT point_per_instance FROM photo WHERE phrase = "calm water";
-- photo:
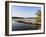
(20, 26)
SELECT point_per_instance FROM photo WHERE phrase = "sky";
(24, 11)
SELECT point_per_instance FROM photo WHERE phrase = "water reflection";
(21, 26)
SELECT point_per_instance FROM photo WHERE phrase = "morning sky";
(24, 11)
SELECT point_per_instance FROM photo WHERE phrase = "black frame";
(7, 17)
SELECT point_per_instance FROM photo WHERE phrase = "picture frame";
(23, 7)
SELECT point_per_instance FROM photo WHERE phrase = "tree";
(38, 18)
